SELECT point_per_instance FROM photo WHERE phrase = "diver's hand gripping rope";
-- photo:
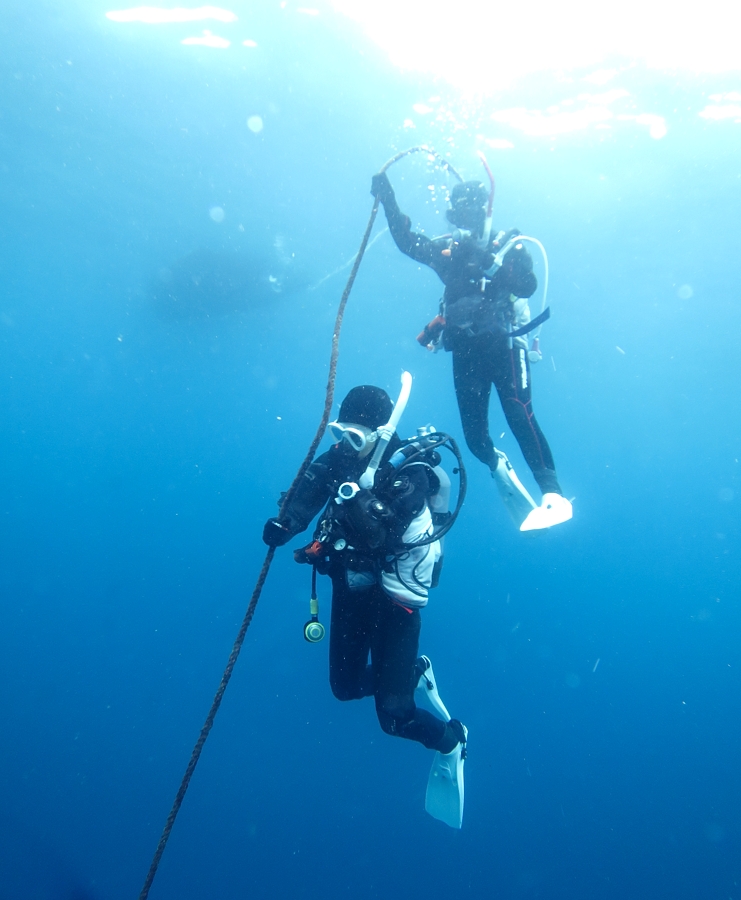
(239, 640)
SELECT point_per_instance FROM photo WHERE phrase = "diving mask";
(357, 436)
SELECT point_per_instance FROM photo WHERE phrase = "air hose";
(534, 354)
(249, 614)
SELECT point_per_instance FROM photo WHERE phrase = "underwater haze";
(182, 192)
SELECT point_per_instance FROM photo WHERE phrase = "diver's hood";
(468, 206)
(366, 405)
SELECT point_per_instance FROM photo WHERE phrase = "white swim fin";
(428, 686)
(554, 510)
(513, 493)
(445, 788)
(445, 785)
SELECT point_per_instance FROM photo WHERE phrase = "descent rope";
(239, 640)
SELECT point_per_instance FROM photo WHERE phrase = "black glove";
(274, 534)
(381, 187)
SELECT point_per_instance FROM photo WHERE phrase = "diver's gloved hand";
(274, 534)
(381, 187)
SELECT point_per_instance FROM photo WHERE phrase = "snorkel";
(484, 242)
(386, 432)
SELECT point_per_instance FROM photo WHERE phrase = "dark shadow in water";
(206, 283)
(33, 869)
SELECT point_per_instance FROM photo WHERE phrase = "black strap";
(531, 326)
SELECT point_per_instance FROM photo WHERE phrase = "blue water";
(143, 444)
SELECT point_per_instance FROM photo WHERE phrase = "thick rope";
(329, 396)
(422, 148)
(237, 647)
(196, 754)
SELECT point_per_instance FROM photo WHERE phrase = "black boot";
(455, 733)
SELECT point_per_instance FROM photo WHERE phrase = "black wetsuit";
(365, 620)
(481, 349)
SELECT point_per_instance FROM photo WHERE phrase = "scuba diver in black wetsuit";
(485, 301)
(380, 548)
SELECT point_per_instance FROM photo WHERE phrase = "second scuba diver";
(485, 300)
(377, 540)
